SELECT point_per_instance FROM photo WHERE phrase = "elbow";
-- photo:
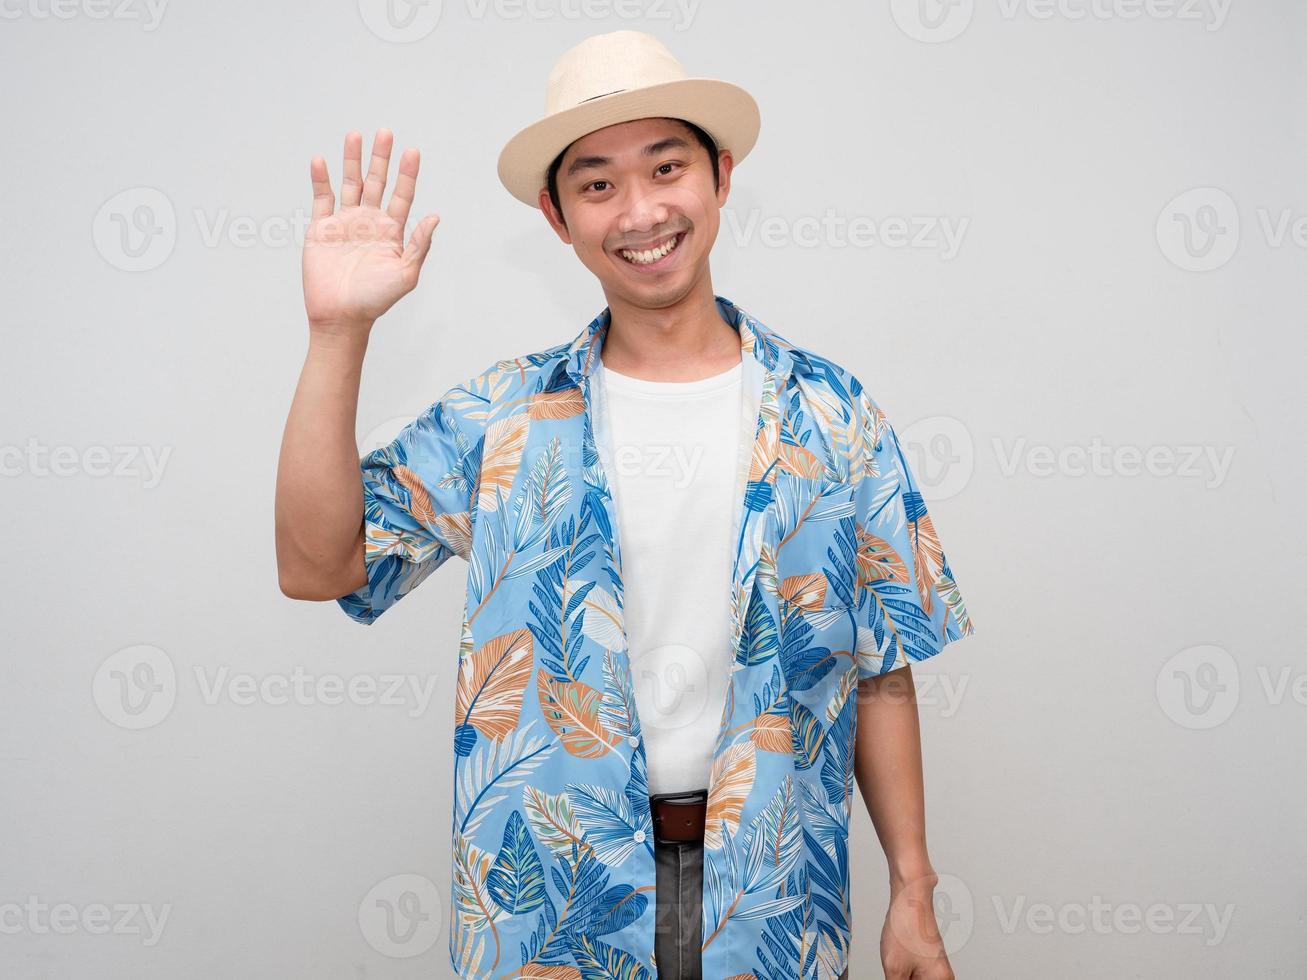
(315, 585)
(306, 584)
(292, 577)
(293, 587)
(303, 575)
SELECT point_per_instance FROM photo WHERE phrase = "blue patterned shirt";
(838, 575)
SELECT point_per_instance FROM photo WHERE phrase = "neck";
(686, 340)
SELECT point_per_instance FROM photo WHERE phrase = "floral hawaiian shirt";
(838, 575)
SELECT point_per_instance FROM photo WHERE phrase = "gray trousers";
(678, 909)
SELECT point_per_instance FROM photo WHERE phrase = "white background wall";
(1107, 411)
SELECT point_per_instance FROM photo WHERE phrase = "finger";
(323, 200)
(375, 184)
(351, 183)
(401, 198)
(419, 242)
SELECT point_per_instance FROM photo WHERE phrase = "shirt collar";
(766, 346)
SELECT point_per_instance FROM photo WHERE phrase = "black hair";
(706, 141)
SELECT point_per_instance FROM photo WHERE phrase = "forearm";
(319, 496)
(887, 764)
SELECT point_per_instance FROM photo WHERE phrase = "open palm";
(356, 265)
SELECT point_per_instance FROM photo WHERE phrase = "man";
(699, 566)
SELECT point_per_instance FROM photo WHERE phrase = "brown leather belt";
(678, 818)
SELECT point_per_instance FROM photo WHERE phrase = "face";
(638, 188)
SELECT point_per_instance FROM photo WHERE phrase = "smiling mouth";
(652, 256)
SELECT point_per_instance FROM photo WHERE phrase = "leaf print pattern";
(771, 733)
(554, 823)
(608, 822)
(572, 710)
(838, 575)
(600, 962)
(516, 881)
(492, 771)
(456, 529)
(490, 685)
(732, 776)
(556, 405)
(805, 591)
(501, 459)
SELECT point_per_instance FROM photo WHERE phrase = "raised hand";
(356, 265)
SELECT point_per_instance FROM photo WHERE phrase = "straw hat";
(614, 78)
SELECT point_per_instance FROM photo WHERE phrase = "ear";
(725, 163)
(554, 216)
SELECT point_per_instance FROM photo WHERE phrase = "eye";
(592, 184)
(668, 164)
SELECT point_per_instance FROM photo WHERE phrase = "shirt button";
(639, 837)
(632, 741)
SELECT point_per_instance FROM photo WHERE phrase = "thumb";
(419, 242)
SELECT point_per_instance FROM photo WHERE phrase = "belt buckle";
(678, 818)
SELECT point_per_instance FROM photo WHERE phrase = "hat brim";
(725, 111)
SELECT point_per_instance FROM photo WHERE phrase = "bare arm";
(319, 504)
(355, 268)
(887, 764)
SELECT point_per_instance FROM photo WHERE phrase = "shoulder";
(837, 398)
(502, 388)
(816, 372)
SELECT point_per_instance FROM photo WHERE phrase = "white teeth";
(653, 254)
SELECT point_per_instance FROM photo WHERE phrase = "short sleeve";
(908, 605)
(417, 509)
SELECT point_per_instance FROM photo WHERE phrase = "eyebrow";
(653, 149)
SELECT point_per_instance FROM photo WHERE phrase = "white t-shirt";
(677, 465)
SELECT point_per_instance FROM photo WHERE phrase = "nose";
(643, 213)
